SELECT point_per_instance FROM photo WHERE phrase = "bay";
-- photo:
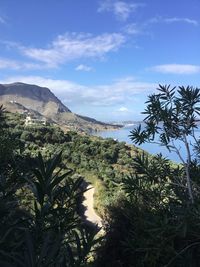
(122, 135)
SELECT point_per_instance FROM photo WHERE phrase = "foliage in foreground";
(39, 225)
(158, 224)
(173, 116)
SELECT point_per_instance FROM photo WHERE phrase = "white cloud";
(75, 46)
(177, 69)
(82, 67)
(121, 9)
(185, 20)
(8, 64)
(123, 109)
(160, 19)
(117, 93)
(132, 29)
(17, 65)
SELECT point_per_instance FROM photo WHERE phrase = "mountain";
(41, 102)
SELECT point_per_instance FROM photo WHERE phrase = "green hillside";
(149, 217)
(100, 161)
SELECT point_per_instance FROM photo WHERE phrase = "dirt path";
(88, 203)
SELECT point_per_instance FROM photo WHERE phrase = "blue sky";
(101, 57)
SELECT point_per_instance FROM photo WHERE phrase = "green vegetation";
(39, 223)
(173, 117)
(150, 207)
(158, 223)
(100, 161)
(40, 195)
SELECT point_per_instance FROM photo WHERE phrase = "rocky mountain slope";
(41, 102)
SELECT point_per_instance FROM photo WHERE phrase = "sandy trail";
(88, 203)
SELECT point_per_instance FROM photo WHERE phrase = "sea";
(122, 134)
